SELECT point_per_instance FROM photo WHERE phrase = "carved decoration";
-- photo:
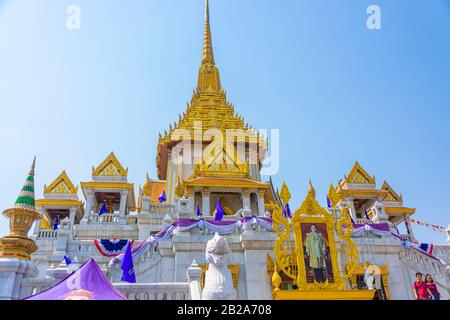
(285, 195)
(110, 167)
(359, 176)
(391, 196)
(61, 185)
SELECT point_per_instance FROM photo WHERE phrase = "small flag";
(351, 218)
(198, 211)
(219, 211)
(328, 202)
(67, 260)
(102, 209)
(56, 225)
(127, 266)
(162, 198)
(365, 212)
(284, 212)
(288, 211)
(427, 247)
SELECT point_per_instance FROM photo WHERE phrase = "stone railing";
(406, 237)
(105, 218)
(32, 286)
(362, 221)
(420, 262)
(442, 251)
(112, 218)
(154, 291)
(49, 234)
(162, 209)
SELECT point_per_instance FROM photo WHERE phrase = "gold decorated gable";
(391, 196)
(61, 185)
(359, 176)
(226, 162)
(110, 167)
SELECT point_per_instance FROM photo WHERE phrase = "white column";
(123, 203)
(123, 206)
(352, 209)
(409, 228)
(37, 224)
(89, 202)
(12, 272)
(194, 273)
(191, 200)
(261, 207)
(246, 199)
(206, 209)
(448, 233)
(72, 214)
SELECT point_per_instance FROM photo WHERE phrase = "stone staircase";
(415, 261)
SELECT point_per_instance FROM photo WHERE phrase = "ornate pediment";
(359, 176)
(61, 185)
(391, 196)
(110, 167)
(223, 162)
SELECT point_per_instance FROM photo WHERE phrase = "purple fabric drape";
(88, 282)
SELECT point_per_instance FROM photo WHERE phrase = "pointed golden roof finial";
(311, 189)
(208, 77)
(285, 194)
(208, 54)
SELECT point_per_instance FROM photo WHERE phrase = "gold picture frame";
(311, 213)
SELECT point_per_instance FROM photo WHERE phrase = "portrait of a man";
(317, 253)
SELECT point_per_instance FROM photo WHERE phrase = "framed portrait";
(316, 254)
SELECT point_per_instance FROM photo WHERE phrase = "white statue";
(218, 280)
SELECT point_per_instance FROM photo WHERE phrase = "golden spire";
(208, 76)
(311, 189)
(208, 54)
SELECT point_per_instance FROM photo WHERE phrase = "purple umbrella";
(87, 283)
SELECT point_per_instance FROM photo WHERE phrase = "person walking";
(433, 292)
(420, 288)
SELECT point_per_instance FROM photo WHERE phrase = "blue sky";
(337, 91)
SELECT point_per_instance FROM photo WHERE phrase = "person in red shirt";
(431, 288)
(420, 288)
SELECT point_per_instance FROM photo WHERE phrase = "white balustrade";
(362, 221)
(154, 291)
(47, 234)
(162, 209)
(111, 218)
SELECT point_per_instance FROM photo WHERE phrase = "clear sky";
(337, 91)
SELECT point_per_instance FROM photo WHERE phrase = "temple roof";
(391, 196)
(110, 167)
(153, 189)
(359, 176)
(223, 182)
(208, 108)
(61, 185)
